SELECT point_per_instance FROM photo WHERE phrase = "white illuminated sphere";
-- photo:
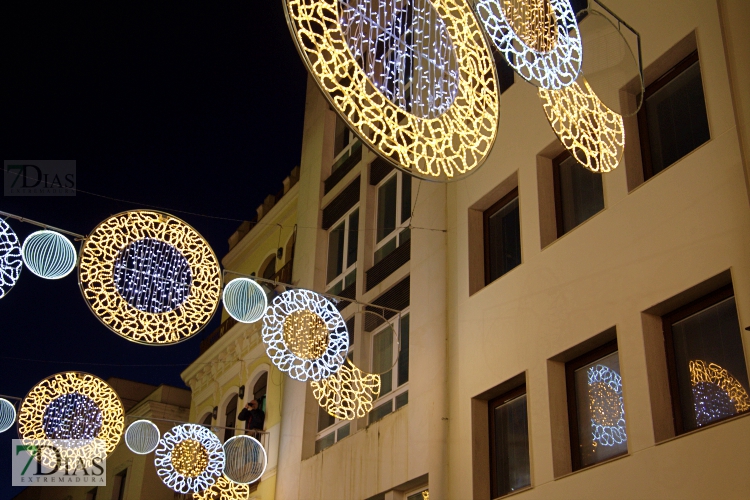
(142, 437)
(49, 254)
(245, 459)
(245, 300)
(7, 414)
(11, 262)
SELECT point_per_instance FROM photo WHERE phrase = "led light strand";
(245, 460)
(48, 254)
(224, 489)
(7, 414)
(189, 458)
(347, 394)
(606, 406)
(716, 393)
(245, 300)
(142, 437)
(11, 262)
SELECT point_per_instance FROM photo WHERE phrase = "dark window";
(91, 494)
(259, 391)
(118, 489)
(342, 138)
(596, 410)
(403, 355)
(578, 193)
(509, 443)
(673, 120)
(707, 370)
(505, 72)
(207, 420)
(324, 419)
(270, 269)
(502, 237)
(231, 414)
(342, 253)
(387, 208)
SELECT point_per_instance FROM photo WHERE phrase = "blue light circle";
(49, 254)
(245, 300)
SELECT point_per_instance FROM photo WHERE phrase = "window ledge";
(587, 468)
(522, 490)
(700, 429)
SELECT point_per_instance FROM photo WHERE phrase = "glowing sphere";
(245, 300)
(246, 459)
(11, 261)
(142, 437)
(7, 414)
(49, 254)
(189, 458)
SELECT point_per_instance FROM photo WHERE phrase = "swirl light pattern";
(73, 406)
(349, 393)
(593, 133)
(150, 277)
(246, 459)
(224, 489)
(142, 437)
(11, 262)
(305, 335)
(189, 458)
(716, 393)
(538, 38)
(7, 414)
(245, 300)
(48, 254)
(414, 79)
(607, 406)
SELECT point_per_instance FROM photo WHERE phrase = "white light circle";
(245, 459)
(245, 300)
(202, 475)
(11, 262)
(49, 254)
(7, 414)
(142, 437)
(549, 69)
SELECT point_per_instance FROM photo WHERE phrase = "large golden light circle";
(150, 277)
(392, 82)
(347, 394)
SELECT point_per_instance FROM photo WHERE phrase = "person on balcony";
(253, 416)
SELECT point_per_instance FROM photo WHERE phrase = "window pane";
(343, 432)
(505, 240)
(341, 139)
(581, 193)
(385, 250)
(601, 411)
(402, 399)
(324, 419)
(351, 252)
(403, 356)
(510, 447)
(711, 370)
(382, 358)
(231, 417)
(404, 236)
(381, 411)
(325, 442)
(676, 116)
(386, 208)
(350, 323)
(422, 495)
(335, 251)
(405, 197)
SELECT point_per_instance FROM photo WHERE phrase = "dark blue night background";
(193, 106)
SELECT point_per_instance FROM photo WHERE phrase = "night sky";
(192, 106)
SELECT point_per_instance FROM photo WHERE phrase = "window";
(673, 121)
(705, 360)
(259, 391)
(270, 268)
(510, 468)
(231, 417)
(330, 430)
(345, 144)
(596, 410)
(91, 494)
(422, 494)
(207, 420)
(393, 376)
(118, 488)
(394, 214)
(342, 252)
(502, 237)
(578, 193)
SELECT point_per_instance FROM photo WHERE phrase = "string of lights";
(607, 406)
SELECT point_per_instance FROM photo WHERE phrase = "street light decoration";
(347, 394)
(142, 437)
(11, 261)
(48, 254)
(189, 458)
(150, 277)
(224, 489)
(7, 414)
(538, 38)
(245, 300)
(716, 393)
(305, 335)
(414, 79)
(245, 459)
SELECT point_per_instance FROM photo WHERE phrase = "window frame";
(347, 268)
(492, 210)
(400, 225)
(670, 319)
(396, 388)
(557, 185)
(340, 157)
(493, 403)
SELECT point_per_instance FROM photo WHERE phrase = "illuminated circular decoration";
(11, 262)
(593, 133)
(347, 394)
(7, 414)
(607, 406)
(75, 406)
(420, 89)
(538, 38)
(224, 489)
(716, 393)
(142, 437)
(305, 335)
(189, 458)
(48, 254)
(245, 460)
(245, 300)
(150, 277)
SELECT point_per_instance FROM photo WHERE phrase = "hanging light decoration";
(224, 489)
(189, 458)
(538, 38)
(716, 393)
(7, 414)
(414, 79)
(347, 394)
(48, 254)
(245, 300)
(11, 261)
(245, 460)
(73, 406)
(607, 406)
(150, 277)
(305, 335)
(142, 437)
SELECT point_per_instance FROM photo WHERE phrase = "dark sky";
(193, 106)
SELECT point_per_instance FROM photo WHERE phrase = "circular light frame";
(230, 451)
(173, 478)
(49, 254)
(97, 271)
(348, 393)
(7, 415)
(245, 300)
(142, 437)
(11, 258)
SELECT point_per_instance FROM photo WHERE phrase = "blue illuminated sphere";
(7, 414)
(49, 254)
(245, 300)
